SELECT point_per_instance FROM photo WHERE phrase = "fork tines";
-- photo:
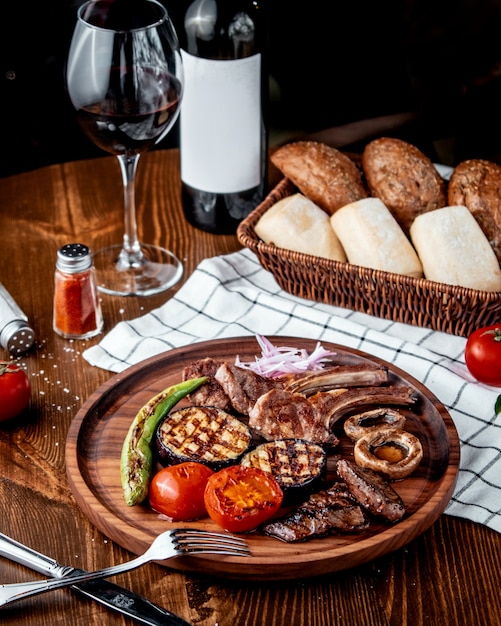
(195, 540)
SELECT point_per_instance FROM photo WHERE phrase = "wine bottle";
(223, 119)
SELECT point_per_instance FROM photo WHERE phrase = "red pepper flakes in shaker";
(77, 311)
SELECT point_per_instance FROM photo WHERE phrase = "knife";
(106, 593)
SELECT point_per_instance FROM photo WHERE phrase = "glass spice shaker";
(16, 334)
(77, 310)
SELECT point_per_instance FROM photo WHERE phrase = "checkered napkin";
(232, 295)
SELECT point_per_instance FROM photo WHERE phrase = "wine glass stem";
(131, 253)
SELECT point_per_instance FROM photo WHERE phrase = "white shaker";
(16, 335)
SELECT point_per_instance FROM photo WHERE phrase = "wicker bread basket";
(448, 308)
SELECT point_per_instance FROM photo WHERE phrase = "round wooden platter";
(96, 435)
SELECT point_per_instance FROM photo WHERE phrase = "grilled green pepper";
(136, 461)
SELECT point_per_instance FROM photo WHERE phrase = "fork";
(177, 542)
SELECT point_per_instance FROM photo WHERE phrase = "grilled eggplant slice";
(298, 466)
(204, 434)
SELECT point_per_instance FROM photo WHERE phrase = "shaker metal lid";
(17, 337)
(73, 257)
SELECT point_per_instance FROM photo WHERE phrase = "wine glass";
(124, 77)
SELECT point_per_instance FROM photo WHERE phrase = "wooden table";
(449, 575)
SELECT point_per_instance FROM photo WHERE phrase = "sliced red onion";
(278, 360)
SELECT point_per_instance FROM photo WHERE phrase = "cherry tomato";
(177, 491)
(15, 390)
(483, 354)
(241, 498)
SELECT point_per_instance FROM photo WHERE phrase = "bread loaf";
(371, 237)
(297, 223)
(454, 250)
(403, 178)
(323, 174)
(476, 184)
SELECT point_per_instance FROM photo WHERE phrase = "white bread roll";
(371, 237)
(454, 250)
(296, 223)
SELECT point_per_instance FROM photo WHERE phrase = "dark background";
(331, 63)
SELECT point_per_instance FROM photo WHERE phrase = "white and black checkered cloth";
(232, 295)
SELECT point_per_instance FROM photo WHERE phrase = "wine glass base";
(152, 271)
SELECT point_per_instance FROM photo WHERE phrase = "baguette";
(454, 250)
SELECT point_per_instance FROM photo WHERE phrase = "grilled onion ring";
(372, 421)
(392, 452)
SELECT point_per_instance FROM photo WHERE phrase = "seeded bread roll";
(476, 184)
(371, 237)
(297, 223)
(403, 178)
(454, 250)
(323, 174)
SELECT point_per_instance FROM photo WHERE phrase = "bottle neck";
(221, 30)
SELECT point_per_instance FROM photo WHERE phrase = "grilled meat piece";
(280, 413)
(210, 393)
(372, 491)
(331, 510)
(243, 387)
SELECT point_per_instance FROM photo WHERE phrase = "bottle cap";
(17, 337)
(73, 258)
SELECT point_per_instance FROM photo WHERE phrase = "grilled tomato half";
(240, 499)
(178, 491)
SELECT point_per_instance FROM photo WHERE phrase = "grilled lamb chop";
(280, 413)
(331, 510)
(372, 491)
(337, 405)
(232, 386)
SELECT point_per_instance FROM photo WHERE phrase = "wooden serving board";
(96, 435)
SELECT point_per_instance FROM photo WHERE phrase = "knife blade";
(106, 593)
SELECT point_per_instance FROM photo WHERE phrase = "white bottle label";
(220, 124)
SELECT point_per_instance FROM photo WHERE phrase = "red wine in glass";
(125, 79)
(122, 126)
